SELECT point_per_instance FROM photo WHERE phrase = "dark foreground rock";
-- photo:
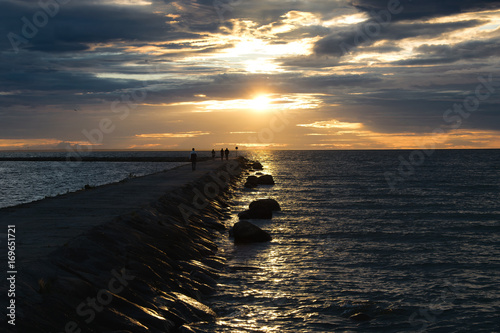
(254, 181)
(265, 180)
(260, 209)
(146, 271)
(257, 166)
(268, 204)
(246, 232)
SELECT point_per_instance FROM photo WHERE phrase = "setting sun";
(260, 103)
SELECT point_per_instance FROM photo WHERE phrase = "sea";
(28, 181)
(366, 241)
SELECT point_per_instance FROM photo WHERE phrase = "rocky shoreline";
(147, 271)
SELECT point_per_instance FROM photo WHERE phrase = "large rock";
(256, 214)
(265, 204)
(252, 181)
(257, 166)
(265, 180)
(246, 232)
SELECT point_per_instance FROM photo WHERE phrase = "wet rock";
(252, 181)
(214, 262)
(186, 329)
(263, 214)
(265, 180)
(257, 166)
(159, 249)
(199, 309)
(267, 204)
(214, 224)
(246, 232)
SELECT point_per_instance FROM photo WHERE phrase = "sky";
(275, 74)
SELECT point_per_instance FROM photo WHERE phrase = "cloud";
(332, 124)
(183, 57)
(445, 53)
(412, 10)
(75, 26)
(192, 134)
(345, 41)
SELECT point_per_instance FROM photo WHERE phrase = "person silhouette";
(213, 154)
(227, 153)
(222, 154)
(193, 159)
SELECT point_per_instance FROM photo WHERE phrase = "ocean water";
(364, 242)
(22, 182)
(350, 254)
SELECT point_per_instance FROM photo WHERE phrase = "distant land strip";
(100, 159)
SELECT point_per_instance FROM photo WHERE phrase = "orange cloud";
(192, 134)
(332, 124)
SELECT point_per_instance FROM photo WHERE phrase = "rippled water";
(22, 182)
(348, 254)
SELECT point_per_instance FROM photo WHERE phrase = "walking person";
(222, 154)
(193, 159)
(227, 154)
(213, 154)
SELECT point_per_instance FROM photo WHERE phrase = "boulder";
(257, 166)
(256, 214)
(246, 232)
(267, 204)
(265, 180)
(252, 181)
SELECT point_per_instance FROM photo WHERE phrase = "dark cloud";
(412, 10)
(92, 53)
(342, 42)
(74, 26)
(442, 54)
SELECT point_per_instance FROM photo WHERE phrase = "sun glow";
(260, 103)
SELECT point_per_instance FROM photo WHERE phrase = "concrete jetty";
(131, 256)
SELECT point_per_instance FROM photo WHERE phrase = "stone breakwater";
(146, 271)
(100, 159)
